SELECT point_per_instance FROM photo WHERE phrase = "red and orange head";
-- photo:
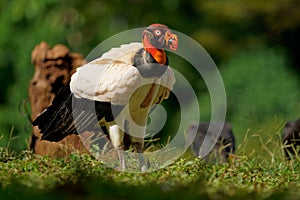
(160, 36)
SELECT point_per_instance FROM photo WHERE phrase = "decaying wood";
(53, 69)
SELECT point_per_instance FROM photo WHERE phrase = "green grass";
(256, 172)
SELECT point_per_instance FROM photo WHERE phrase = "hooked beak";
(171, 41)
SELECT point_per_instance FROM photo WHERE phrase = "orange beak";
(171, 41)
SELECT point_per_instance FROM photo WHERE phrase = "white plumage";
(115, 80)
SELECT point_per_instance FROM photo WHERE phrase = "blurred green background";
(254, 44)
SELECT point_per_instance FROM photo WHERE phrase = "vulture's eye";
(157, 32)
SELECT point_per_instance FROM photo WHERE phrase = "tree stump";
(53, 70)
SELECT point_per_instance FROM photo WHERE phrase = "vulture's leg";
(117, 138)
(138, 146)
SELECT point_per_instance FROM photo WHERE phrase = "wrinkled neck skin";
(158, 54)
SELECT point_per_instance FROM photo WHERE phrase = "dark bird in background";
(224, 145)
(120, 87)
(291, 139)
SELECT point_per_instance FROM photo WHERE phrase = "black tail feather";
(51, 121)
(70, 115)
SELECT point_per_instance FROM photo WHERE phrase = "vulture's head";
(160, 36)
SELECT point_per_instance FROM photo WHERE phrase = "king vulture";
(121, 87)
